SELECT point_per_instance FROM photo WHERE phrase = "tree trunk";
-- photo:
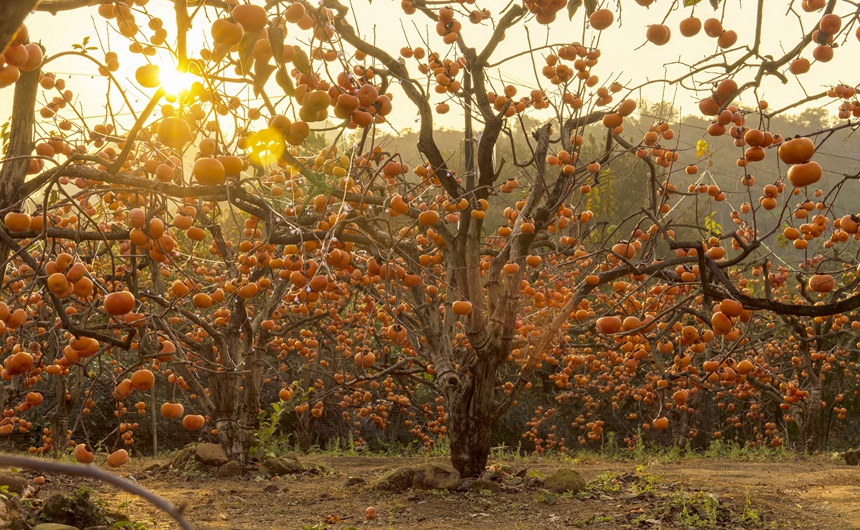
(59, 430)
(60, 417)
(225, 395)
(14, 171)
(809, 431)
(230, 437)
(249, 416)
(305, 433)
(471, 417)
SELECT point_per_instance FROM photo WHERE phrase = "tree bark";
(809, 431)
(60, 417)
(471, 417)
(225, 394)
(12, 15)
(249, 415)
(13, 172)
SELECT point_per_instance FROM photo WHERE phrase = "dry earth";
(816, 493)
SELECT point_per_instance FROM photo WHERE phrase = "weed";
(750, 515)
(697, 510)
(645, 481)
(548, 498)
(607, 482)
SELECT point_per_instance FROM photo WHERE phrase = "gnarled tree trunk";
(471, 417)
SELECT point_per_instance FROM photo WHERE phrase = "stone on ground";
(397, 481)
(565, 480)
(230, 469)
(281, 466)
(436, 476)
(210, 454)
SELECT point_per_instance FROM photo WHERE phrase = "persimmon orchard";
(263, 230)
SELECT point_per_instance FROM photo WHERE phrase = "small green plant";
(606, 482)
(645, 480)
(534, 473)
(547, 497)
(750, 515)
(697, 510)
(268, 441)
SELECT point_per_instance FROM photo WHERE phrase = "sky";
(625, 54)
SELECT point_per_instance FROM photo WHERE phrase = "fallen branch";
(78, 470)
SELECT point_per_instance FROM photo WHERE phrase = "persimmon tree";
(204, 243)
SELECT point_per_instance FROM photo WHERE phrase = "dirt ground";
(818, 493)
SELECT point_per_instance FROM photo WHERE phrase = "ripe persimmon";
(172, 410)
(209, 172)
(17, 221)
(83, 455)
(193, 422)
(802, 175)
(174, 132)
(462, 307)
(142, 379)
(601, 19)
(251, 17)
(796, 150)
(608, 325)
(690, 27)
(117, 458)
(658, 34)
(119, 303)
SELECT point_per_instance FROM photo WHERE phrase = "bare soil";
(692, 493)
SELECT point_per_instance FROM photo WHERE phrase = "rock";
(54, 526)
(230, 469)
(436, 476)
(281, 466)
(482, 485)
(210, 454)
(271, 488)
(15, 483)
(398, 480)
(354, 481)
(489, 475)
(565, 480)
(852, 457)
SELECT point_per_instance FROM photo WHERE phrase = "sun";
(174, 81)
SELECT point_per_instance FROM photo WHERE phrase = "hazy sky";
(383, 18)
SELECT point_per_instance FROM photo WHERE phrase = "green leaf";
(262, 73)
(572, 6)
(276, 41)
(301, 61)
(590, 7)
(285, 81)
(691, 3)
(246, 46)
(715, 4)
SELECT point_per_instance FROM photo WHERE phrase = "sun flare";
(174, 81)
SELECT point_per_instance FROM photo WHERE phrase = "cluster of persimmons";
(209, 237)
